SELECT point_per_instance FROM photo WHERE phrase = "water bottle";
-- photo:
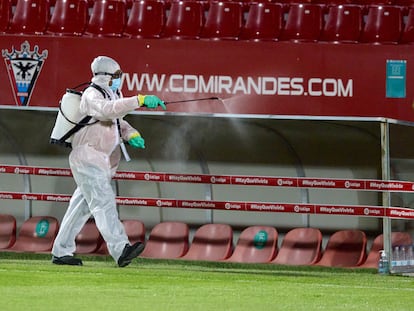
(383, 263)
(410, 257)
(396, 259)
(403, 257)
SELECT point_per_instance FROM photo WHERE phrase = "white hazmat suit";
(94, 161)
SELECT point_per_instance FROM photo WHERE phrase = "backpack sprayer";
(69, 120)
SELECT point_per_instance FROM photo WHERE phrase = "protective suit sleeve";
(127, 131)
(95, 105)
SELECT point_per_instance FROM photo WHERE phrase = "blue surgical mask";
(116, 83)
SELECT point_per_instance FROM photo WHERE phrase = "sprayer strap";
(76, 128)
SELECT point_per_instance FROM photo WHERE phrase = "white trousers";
(93, 196)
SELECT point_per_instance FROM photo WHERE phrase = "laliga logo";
(23, 68)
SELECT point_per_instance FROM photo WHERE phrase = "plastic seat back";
(30, 17)
(36, 235)
(7, 231)
(264, 22)
(397, 238)
(407, 35)
(167, 240)
(185, 20)
(88, 239)
(343, 24)
(300, 246)
(5, 14)
(69, 17)
(383, 25)
(108, 18)
(135, 230)
(213, 242)
(224, 21)
(303, 22)
(255, 244)
(345, 248)
(146, 19)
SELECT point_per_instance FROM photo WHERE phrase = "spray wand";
(192, 100)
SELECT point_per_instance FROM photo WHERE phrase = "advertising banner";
(264, 78)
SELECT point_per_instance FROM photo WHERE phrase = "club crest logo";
(23, 68)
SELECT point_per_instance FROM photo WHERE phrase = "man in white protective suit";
(94, 160)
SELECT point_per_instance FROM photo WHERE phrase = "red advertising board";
(271, 78)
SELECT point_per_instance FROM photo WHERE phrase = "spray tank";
(69, 120)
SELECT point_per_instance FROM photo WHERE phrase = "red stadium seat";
(404, 3)
(264, 22)
(255, 244)
(5, 14)
(108, 18)
(300, 246)
(30, 17)
(224, 21)
(383, 25)
(397, 238)
(185, 20)
(69, 17)
(135, 231)
(303, 23)
(211, 242)
(7, 231)
(167, 240)
(36, 235)
(343, 24)
(345, 248)
(88, 239)
(367, 3)
(146, 19)
(407, 36)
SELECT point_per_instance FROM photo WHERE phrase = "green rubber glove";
(151, 101)
(137, 142)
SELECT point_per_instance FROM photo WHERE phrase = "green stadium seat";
(256, 244)
(36, 235)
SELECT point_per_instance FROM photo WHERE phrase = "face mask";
(116, 83)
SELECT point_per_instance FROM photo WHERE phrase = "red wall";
(278, 78)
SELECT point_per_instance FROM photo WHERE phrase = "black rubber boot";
(129, 253)
(67, 260)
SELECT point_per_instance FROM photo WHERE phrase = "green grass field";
(31, 282)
